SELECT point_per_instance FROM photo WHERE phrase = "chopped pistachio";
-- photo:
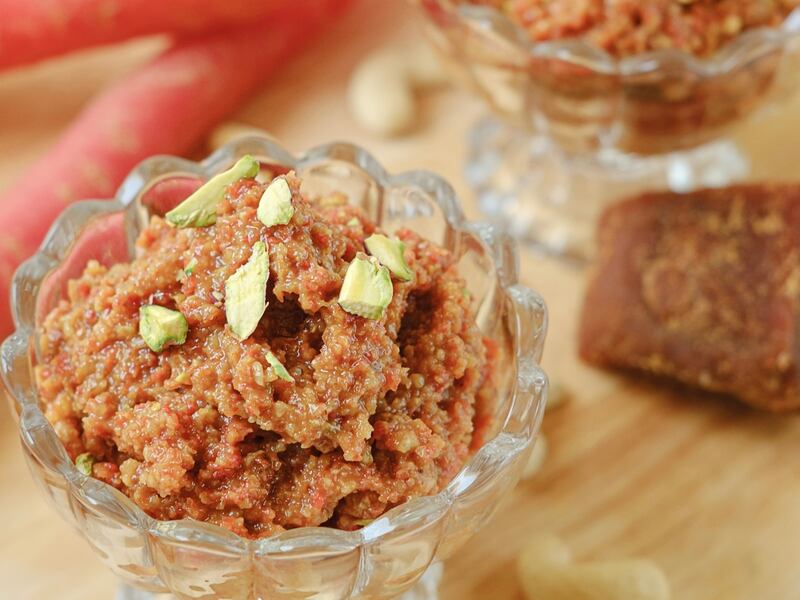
(275, 206)
(258, 373)
(182, 378)
(390, 253)
(353, 222)
(84, 463)
(200, 208)
(160, 326)
(363, 522)
(246, 293)
(278, 368)
(187, 270)
(366, 289)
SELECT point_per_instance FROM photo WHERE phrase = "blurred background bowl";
(573, 127)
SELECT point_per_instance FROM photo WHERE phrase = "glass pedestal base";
(427, 588)
(552, 200)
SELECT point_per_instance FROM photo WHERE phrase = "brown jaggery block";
(702, 288)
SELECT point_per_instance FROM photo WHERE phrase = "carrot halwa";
(629, 27)
(318, 417)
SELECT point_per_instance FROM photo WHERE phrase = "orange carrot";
(32, 30)
(163, 108)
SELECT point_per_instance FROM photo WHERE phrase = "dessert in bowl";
(303, 378)
(598, 100)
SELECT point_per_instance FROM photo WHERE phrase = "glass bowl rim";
(743, 49)
(529, 380)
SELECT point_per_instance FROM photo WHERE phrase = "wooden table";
(708, 489)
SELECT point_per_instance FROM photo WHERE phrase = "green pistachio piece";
(364, 522)
(278, 367)
(84, 463)
(187, 270)
(353, 222)
(390, 253)
(161, 326)
(275, 207)
(366, 289)
(200, 209)
(246, 293)
(182, 378)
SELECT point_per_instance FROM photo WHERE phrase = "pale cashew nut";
(546, 572)
(382, 89)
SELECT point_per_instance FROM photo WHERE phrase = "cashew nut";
(382, 88)
(536, 459)
(546, 572)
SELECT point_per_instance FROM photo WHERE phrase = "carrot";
(32, 30)
(163, 108)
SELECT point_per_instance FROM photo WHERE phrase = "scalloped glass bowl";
(197, 560)
(580, 127)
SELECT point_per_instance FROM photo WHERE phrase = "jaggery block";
(702, 288)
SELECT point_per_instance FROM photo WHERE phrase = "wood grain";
(708, 489)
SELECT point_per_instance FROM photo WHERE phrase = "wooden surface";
(706, 488)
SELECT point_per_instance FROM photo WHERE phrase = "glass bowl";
(578, 127)
(196, 560)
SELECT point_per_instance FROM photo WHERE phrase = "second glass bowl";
(577, 127)
(195, 560)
